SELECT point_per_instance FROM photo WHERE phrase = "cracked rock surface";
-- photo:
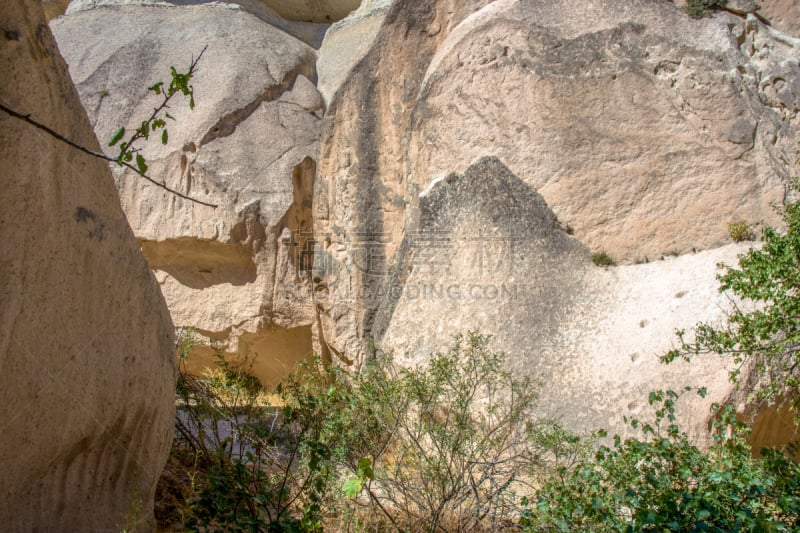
(249, 146)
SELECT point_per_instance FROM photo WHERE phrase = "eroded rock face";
(313, 10)
(249, 146)
(782, 14)
(485, 253)
(644, 131)
(310, 33)
(644, 141)
(346, 42)
(87, 356)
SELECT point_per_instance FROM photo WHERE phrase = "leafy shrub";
(237, 467)
(741, 231)
(437, 448)
(701, 8)
(444, 447)
(764, 341)
(661, 482)
(602, 259)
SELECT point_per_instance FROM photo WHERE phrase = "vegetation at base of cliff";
(661, 482)
(701, 8)
(453, 446)
(741, 231)
(762, 334)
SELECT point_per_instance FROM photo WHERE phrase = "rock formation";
(313, 10)
(87, 357)
(310, 33)
(644, 131)
(346, 42)
(473, 155)
(238, 273)
(782, 14)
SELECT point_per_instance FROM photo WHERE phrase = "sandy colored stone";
(782, 14)
(645, 133)
(249, 146)
(310, 33)
(589, 337)
(313, 11)
(87, 357)
(54, 8)
(346, 42)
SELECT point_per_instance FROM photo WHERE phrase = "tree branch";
(100, 155)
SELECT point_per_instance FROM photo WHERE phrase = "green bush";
(449, 446)
(701, 8)
(442, 447)
(661, 482)
(602, 259)
(741, 231)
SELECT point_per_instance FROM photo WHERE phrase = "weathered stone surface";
(646, 132)
(782, 14)
(487, 254)
(742, 7)
(87, 360)
(346, 42)
(310, 33)
(313, 10)
(249, 146)
(645, 140)
(54, 8)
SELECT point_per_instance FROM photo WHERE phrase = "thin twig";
(100, 155)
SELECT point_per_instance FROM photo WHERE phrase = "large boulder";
(87, 356)
(237, 273)
(645, 133)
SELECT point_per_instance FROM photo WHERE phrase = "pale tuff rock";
(313, 10)
(644, 131)
(487, 254)
(346, 42)
(310, 33)
(782, 14)
(249, 146)
(307, 11)
(87, 355)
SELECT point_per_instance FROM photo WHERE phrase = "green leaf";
(352, 487)
(365, 469)
(117, 136)
(140, 164)
(156, 87)
(164, 137)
